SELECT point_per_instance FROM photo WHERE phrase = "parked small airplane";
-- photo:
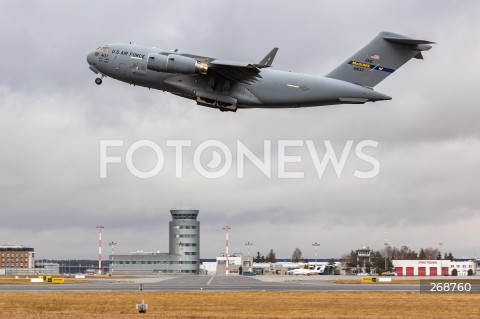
(230, 85)
(316, 270)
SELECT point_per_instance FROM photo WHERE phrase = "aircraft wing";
(237, 71)
(242, 71)
(232, 64)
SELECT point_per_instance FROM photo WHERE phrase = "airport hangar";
(444, 267)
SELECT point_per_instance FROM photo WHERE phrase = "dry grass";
(239, 305)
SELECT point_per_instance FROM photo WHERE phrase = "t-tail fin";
(378, 59)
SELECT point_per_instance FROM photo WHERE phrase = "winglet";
(268, 59)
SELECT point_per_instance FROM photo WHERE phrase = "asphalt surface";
(213, 283)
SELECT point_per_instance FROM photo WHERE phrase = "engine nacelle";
(174, 63)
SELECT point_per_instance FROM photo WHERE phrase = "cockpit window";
(105, 49)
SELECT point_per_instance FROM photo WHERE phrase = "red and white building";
(433, 267)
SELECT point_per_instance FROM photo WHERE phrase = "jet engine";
(174, 63)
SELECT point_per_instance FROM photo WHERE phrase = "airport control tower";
(185, 238)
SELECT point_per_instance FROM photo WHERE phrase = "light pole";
(248, 244)
(441, 263)
(316, 247)
(226, 228)
(386, 255)
(100, 227)
(112, 245)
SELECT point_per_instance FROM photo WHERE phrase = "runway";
(212, 283)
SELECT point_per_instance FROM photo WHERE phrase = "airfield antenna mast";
(316, 249)
(100, 227)
(226, 228)
(248, 244)
(441, 257)
(385, 243)
(386, 254)
(112, 245)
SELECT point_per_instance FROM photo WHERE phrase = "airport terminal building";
(15, 259)
(184, 250)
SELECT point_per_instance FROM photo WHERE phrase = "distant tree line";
(297, 256)
(406, 253)
(270, 258)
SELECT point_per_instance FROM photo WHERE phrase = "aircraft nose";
(90, 58)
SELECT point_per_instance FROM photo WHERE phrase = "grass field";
(239, 305)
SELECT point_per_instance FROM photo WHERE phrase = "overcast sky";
(53, 116)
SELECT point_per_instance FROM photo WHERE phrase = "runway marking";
(208, 283)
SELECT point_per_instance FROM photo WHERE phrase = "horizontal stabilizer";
(405, 40)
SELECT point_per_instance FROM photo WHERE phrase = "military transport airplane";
(229, 85)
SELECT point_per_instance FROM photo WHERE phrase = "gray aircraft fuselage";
(229, 85)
